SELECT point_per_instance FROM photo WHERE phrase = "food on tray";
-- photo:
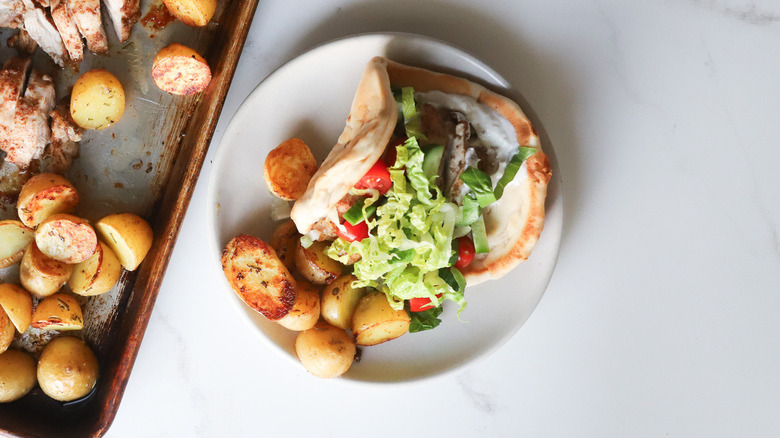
(260, 279)
(177, 69)
(45, 195)
(17, 375)
(339, 300)
(14, 238)
(7, 331)
(67, 369)
(288, 169)
(96, 275)
(306, 311)
(128, 235)
(375, 322)
(325, 351)
(17, 304)
(66, 238)
(192, 12)
(41, 275)
(58, 312)
(97, 100)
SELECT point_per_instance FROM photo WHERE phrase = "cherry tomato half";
(353, 232)
(377, 177)
(421, 304)
(465, 252)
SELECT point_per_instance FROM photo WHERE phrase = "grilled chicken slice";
(65, 134)
(30, 133)
(12, 79)
(40, 27)
(68, 30)
(86, 14)
(124, 14)
(22, 42)
(11, 13)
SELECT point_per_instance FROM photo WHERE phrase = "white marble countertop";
(661, 317)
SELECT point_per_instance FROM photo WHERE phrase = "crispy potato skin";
(315, 265)
(58, 312)
(375, 322)
(67, 369)
(284, 240)
(288, 169)
(44, 195)
(325, 351)
(7, 331)
(14, 238)
(306, 310)
(97, 100)
(17, 304)
(128, 235)
(177, 69)
(41, 275)
(192, 12)
(339, 300)
(96, 275)
(66, 238)
(17, 375)
(259, 278)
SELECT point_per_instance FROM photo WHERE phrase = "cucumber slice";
(355, 214)
(432, 160)
(479, 235)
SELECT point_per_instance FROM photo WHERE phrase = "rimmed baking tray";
(148, 164)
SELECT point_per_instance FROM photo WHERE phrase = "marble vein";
(483, 402)
(748, 13)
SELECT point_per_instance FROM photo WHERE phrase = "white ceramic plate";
(310, 97)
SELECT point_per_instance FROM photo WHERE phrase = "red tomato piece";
(465, 252)
(353, 232)
(378, 177)
(421, 304)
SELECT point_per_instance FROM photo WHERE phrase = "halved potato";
(178, 69)
(7, 331)
(258, 276)
(14, 238)
(17, 375)
(67, 369)
(374, 321)
(284, 240)
(325, 351)
(41, 275)
(306, 310)
(128, 235)
(315, 265)
(96, 275)
(44, 195)
(192, 12)
(339, 300)
(97, 100)
(58, 312)
(288, 169)
(17, 304)
(66, 238)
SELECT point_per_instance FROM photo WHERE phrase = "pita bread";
(513, 224)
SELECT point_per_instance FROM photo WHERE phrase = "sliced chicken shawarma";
(22, 42)
(124, 14)
(68, 30)
(11, 13)
(65, 134)
(26, 139)
(12, 79)
(86, 15)
(40, 27)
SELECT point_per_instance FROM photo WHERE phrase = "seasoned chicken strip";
(11, 13)
(12, 79)
(124, 14)
(22, 42)
(30, 132)
(38, 24)
(68, 30)
(64, 135)
(86, 14)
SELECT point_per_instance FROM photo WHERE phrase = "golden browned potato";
(96, 275)
(178, 69)
(17, 304)
(17, 375)
(192, 12)
(67, 369)
(97, 100)
(41, 275)
(339, 300)
(258, 276)
(288, 169)
(14, 238)
(66, 238)
(7, 331)
(306, 310)
(44, 195)
(284, 240)
(58, 312)
(325, 351)
(128, 235)
(374, 321)
(315, 265)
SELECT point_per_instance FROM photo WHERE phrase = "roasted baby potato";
(96, 275)
(374, 321)
(192, 12)
(288, 169)
(66, 238)
(41, 275)
(97, 100)
(14, 238)
(284, 240)
(315, 265)
(67, 369)
(306, 310)
(128, 235)
(325, 351)
(339, 300)
(7, 331)
(17, 375)
(17, 304)
(178, 69)
(44, 195)
(258, 276)
(58, 312)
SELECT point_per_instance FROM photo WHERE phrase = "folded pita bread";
(513, 223)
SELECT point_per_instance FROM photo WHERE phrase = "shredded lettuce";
(411, 116)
